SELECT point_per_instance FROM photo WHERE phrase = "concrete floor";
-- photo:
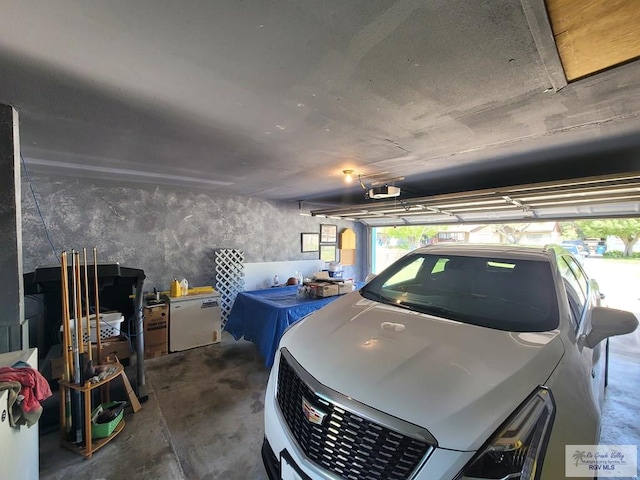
(621, 415)
(203, 418)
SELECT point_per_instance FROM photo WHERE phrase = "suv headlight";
(517, 449)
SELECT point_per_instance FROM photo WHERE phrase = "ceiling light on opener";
(348, 175)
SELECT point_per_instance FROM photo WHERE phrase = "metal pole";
(142, 384)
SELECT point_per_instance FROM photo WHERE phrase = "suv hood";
(458, 381)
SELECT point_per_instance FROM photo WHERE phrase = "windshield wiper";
(376, 296)
(427, 308)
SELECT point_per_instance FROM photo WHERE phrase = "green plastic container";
(102, 430)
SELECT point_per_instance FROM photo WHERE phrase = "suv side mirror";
(608, 322)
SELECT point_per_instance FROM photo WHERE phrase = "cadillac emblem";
(312, 414)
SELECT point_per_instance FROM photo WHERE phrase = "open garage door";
(594, 197)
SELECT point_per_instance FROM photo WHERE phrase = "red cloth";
(35, 387)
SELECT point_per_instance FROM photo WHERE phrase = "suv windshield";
(512, 295)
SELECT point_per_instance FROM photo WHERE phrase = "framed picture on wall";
(328, 233)
(309, 242)
(328, 253)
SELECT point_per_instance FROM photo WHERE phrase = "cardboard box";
(156, 328)
(326, 289)
(114, 346)
(346, 288)
(330, 289)
(118, 347)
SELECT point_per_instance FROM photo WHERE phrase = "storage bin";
(109, 326)
(102, 430)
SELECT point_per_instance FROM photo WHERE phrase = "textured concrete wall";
(12, 324)
(166, 232)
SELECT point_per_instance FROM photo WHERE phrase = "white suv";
(457, 362)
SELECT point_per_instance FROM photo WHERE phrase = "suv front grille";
(344, 442)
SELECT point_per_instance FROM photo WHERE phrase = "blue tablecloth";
(261, 316)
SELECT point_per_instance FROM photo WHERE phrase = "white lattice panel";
(229, 275)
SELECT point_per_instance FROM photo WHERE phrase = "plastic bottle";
(184, 287)
(276, 280)
(175, 290)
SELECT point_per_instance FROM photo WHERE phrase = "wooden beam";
(593, 35)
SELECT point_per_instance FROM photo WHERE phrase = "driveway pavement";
(619, 280)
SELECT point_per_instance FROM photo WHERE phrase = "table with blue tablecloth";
(262, 316)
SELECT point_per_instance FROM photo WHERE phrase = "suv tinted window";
(505, 294)
(576, 285)
(408, 273)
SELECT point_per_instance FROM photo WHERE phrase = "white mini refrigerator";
(19, 447)
(194, 321)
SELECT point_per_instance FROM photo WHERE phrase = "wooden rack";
(73, 414)
(86, 389)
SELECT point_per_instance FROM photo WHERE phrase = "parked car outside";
(579, 256)
(582, 246)
(456, 362)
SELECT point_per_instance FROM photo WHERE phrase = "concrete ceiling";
(275, 99)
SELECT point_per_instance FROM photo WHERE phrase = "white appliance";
(18, 445)
(194, 321)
